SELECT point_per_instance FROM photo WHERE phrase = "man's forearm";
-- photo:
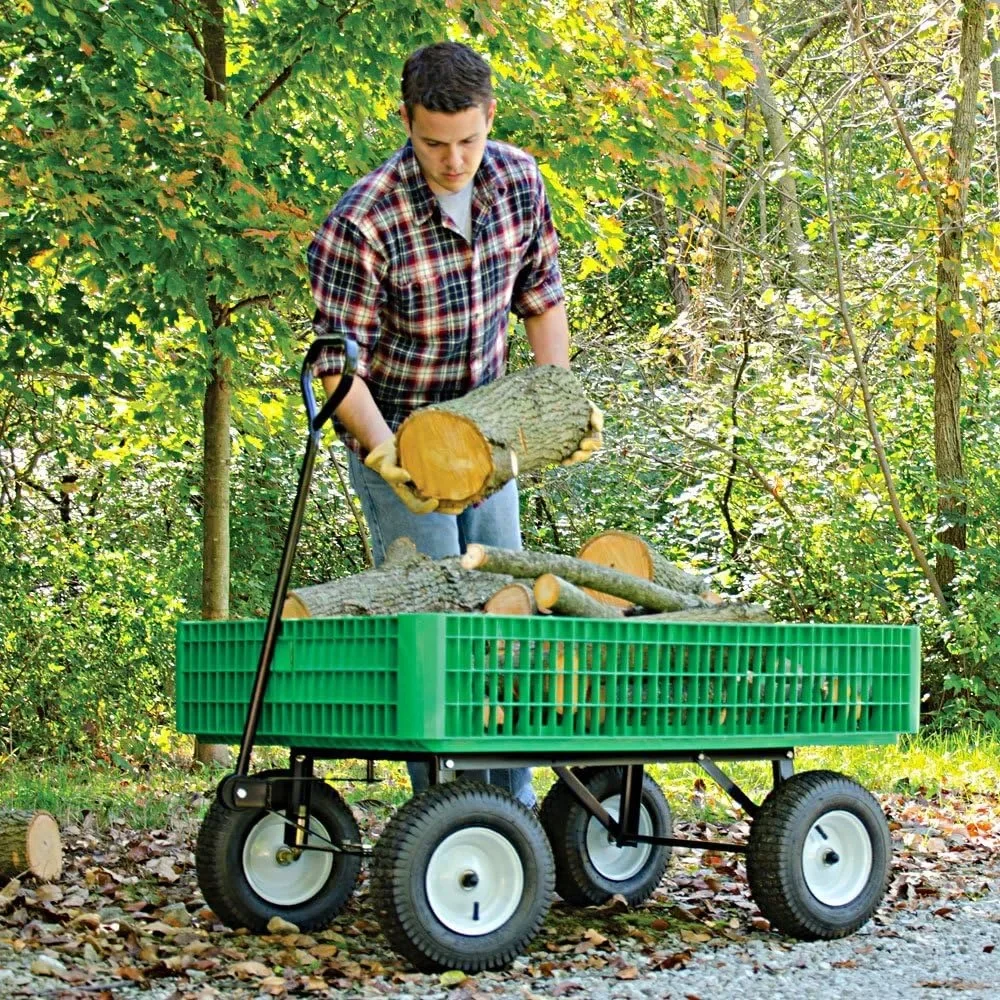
(548, 335)
(359, 413)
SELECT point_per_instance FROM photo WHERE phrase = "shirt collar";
(485, 185)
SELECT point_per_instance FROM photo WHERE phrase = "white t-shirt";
(458, 207)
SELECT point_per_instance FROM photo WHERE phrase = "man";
(422, 262)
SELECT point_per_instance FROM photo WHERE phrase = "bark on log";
(29, 842)
(629, 553)
(583, 574)
(555, 594)
(466, 449)
(407, 581)
(714, 613)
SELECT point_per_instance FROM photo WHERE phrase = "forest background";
(781, 248)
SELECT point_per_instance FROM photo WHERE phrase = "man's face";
(449, 145)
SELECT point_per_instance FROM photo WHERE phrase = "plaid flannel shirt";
(430, 311)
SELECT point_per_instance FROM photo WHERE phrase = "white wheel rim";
(474, 881)
(614, 863)
(275, 873)
(837, 858)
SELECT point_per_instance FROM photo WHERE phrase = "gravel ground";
(927, 952)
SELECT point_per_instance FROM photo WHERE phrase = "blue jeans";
(496, 521)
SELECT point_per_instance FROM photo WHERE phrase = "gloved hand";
(591, 442)
(384, 461)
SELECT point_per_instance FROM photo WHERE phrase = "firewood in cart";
(464, 450)
(583, 574)
(631, 554)
(407, 581)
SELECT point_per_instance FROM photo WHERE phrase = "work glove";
(384, 461)
(592, 441)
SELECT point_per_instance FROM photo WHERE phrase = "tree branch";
(861, 365)
(826, 21)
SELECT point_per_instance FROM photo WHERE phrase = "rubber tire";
(774, 855)
(566, 822)
(399, 868)
(222, 877)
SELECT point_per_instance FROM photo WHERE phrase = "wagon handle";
(317, 417)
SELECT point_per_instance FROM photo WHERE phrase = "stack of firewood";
(615, 575)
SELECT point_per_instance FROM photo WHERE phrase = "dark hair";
(446, 76)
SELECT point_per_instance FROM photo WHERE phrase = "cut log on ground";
(29, 842)
(466, 449)
(552, 593)
(407, 581)
(583, 574)
(631, 554)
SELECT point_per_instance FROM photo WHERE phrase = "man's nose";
(454, 158)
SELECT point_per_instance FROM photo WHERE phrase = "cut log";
(407, 581)
(631, 554)
(552, 593)
(516, 598)
(716, 613)
(464, 450)
(583, 574)
(29, 842)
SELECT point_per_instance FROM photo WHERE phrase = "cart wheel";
(819, 855)
(590, 868)
(462, 878)
(248, 876)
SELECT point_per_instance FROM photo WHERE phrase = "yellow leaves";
(230, 158)
(170, 234)
(184, 178)
(589, 266)
(16, 136)
(87, 240)
(265, 234)
(19, 177)
(38, 260)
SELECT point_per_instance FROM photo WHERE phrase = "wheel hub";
(617, 864)
(280, 874)
(474, 881)
(837, 858)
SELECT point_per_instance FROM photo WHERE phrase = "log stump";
(29, 842)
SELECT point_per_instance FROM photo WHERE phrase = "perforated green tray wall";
(481, 683)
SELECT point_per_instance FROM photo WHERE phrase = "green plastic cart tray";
(446, 683)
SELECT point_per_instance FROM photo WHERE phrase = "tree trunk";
(791, 219)
(631, 554)
(407, 581)
(217, 405)
(994, 36)
(583, 574)
(464, 450)
(949, 322)
(29, 842)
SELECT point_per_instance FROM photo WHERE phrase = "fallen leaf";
(453, 977)
(250, 968)
(629, 972)
(276, 925)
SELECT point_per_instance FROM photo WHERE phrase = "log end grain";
(30, 842)
(445, 454)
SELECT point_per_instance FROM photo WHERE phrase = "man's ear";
(405, 118)
(490, 114)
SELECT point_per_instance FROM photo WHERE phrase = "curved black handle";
(319, 416)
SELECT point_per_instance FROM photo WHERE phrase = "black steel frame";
(240, 790)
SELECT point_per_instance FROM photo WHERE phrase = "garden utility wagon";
(463, 875)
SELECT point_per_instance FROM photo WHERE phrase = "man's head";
(448, 110)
